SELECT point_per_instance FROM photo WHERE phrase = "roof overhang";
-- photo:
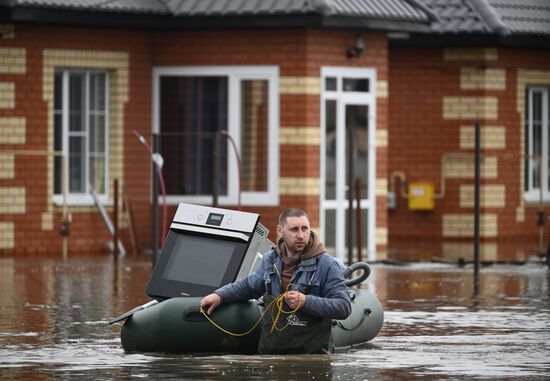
(53, 16)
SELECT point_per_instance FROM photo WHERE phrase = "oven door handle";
(210, 231)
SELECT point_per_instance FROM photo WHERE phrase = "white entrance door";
(348, 123)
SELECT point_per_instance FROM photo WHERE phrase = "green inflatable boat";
(205, 249)
(177, 325)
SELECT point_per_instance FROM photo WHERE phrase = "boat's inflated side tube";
(364, 323)
(176, 325)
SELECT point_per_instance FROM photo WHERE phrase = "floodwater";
(53, 315)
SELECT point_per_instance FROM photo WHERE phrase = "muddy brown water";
(52, 316)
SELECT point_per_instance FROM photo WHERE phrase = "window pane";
(97, 173)
(330, 150)
(97, 133)
(356, 84)
(97, 92)
(58, 131)
(58, 91)
(537, 137)
(254, 133)
(76, 164)
(76, 102)
(192, 112)
(331, 84)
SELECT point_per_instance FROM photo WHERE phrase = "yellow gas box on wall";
(421, 196)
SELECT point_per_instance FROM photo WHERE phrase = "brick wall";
(28, 59)
(436, 97)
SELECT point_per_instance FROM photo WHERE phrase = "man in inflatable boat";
(305, 279)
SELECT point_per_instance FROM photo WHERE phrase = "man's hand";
(213, 300)
(295, 299)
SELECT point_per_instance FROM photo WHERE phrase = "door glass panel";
(330, 231)
(359, 231)
(331, 84)
(356, 84)
(330, 150)
(357, 128)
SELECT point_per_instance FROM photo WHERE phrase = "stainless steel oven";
(205, 249)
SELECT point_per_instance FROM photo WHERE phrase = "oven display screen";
(214, 219)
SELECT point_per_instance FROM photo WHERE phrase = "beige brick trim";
(524, 79)
(118, 65)
(381, 138)
(491, 137)
(491, 196)
(455, 250)
(13, 60)
(13, 130)
(470, 54)
(381, 187)
(482, 79)
(463, 167)
(381, 236)
(47, 221)
(300, 135)
(456, 108)
(299, 186)
(462, 225)
(382, 89)
(300, 85)
(7, 95)
(520, 213)
(7, 166)
(7, 240)
(12, 200)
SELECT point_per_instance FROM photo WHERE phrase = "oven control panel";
(208, 216)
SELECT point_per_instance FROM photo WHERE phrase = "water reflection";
(53, 315)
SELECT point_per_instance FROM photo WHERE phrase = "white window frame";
(234, 74)
(532, 193)
(83, 199)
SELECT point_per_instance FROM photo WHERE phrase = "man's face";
(295, 232)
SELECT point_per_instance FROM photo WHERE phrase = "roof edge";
(489, 17)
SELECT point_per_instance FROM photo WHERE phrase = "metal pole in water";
(477, 208)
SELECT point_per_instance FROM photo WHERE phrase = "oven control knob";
(229, 221)
(200, 217)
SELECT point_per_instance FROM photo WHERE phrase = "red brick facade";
(420, 79)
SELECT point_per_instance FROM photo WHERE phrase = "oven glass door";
(195, 264)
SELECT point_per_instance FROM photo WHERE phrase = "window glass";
(192, 112)
(80, 128)
(356, 84)
(537, 136)
(331, 84)
(195, 106)
(254, 123)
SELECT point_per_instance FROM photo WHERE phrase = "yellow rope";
(278, 301)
